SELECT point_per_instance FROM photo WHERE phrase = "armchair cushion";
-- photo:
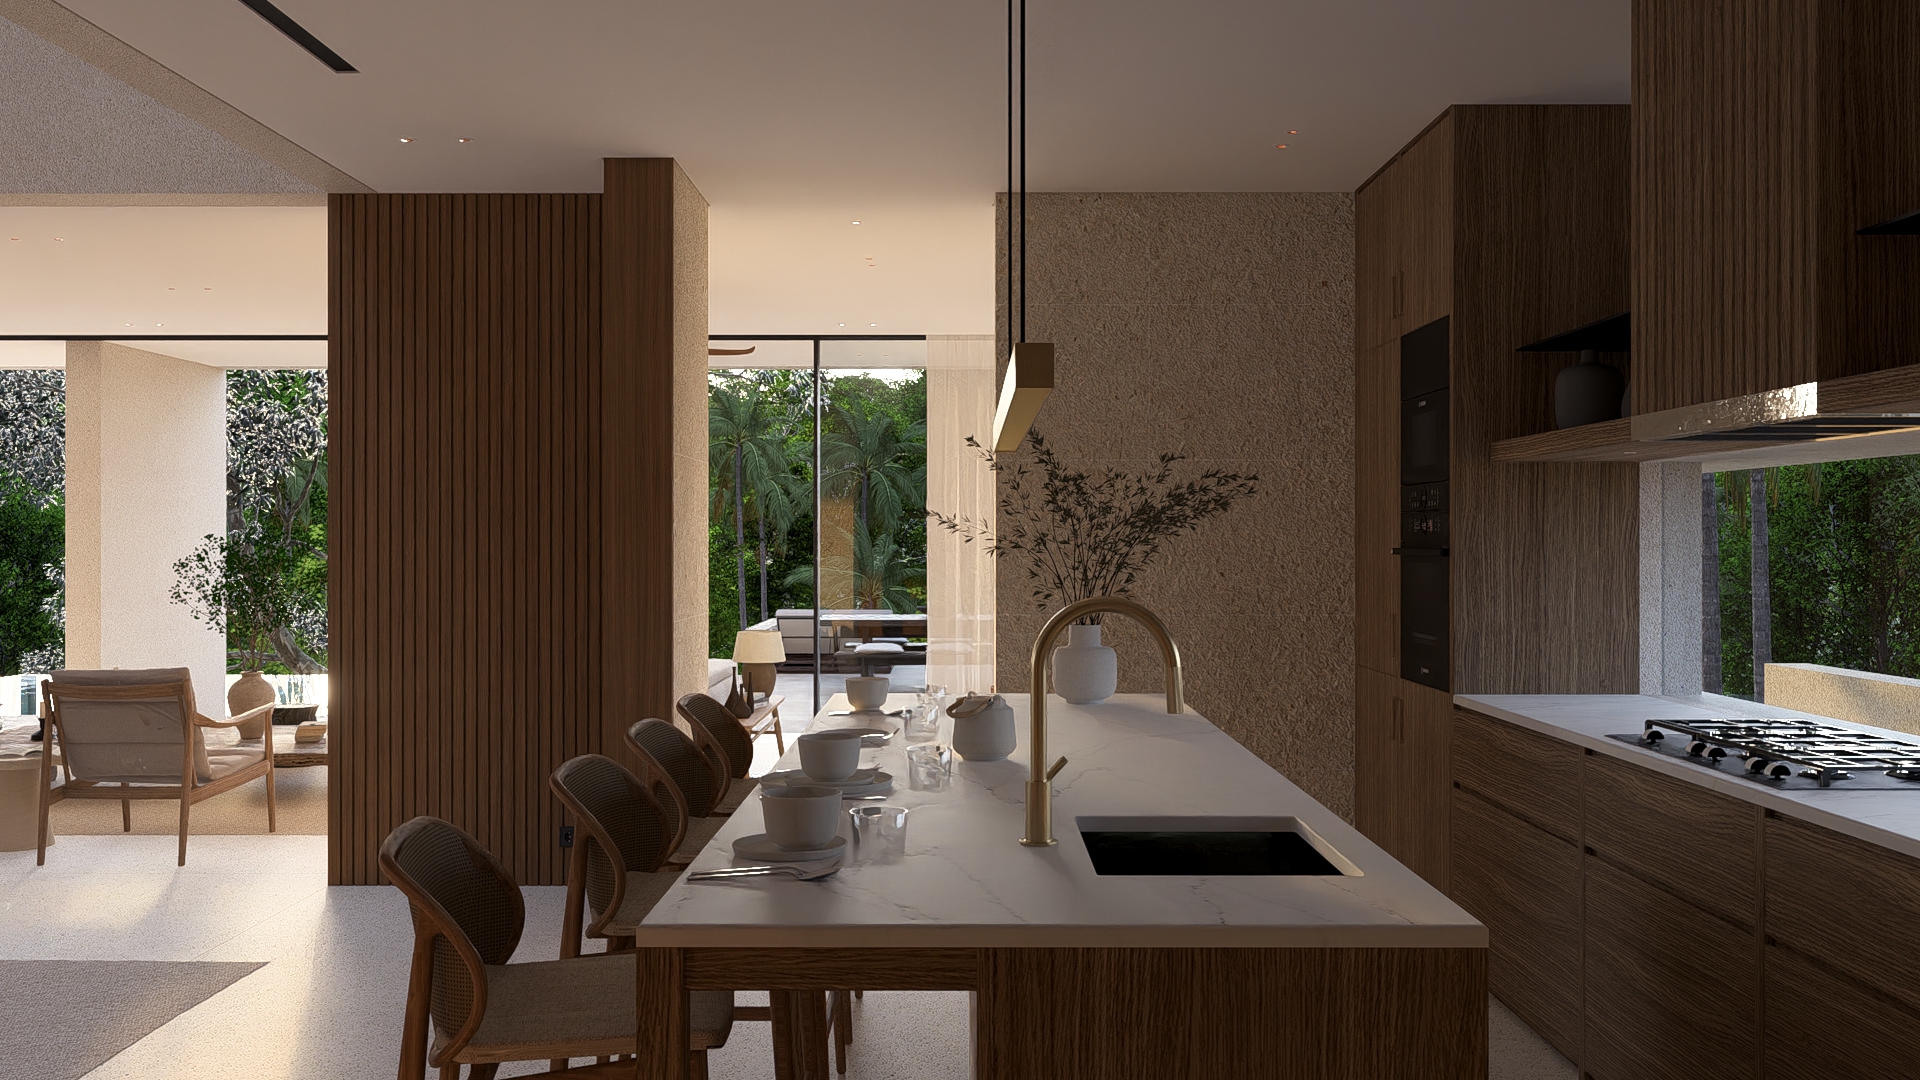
(130, 741)
(227, 760)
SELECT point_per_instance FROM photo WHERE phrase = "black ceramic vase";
(1588, 392)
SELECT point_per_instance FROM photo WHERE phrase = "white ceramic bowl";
(830, 755)
(801, 818)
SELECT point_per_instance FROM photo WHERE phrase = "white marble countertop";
(966, 881)
(1890, 818)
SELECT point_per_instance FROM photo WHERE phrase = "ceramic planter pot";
(252, 691)
(1085, 672)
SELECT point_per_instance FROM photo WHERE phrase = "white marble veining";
(965, 880)
(1890, 818)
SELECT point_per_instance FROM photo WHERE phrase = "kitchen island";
(1368, 972)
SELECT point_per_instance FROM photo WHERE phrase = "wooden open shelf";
(1609, 440)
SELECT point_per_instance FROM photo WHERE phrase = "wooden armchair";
(467, 919)
(136, 734)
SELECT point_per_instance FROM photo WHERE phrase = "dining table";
(1358, 968)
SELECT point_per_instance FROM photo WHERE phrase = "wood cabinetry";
(1764, 137)
(1511, 222)
(1671, 990)
(1698, 845)
(1649, 927)
(1401, 793)
(1524, 884)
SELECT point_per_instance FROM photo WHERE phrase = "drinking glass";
(921, 725)
(879, 832)
(929, 767)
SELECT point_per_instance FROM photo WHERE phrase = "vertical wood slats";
(469, 527)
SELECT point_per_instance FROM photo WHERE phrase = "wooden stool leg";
(779, 738)
(271, 825)
(186, 807)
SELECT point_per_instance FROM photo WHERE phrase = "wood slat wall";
(501, 483)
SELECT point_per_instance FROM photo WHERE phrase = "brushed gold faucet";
(1040, 785)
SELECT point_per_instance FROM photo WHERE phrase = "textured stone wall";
(1219, 326)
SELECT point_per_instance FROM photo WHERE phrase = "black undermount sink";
(1208, 847)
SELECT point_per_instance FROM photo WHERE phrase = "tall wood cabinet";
(1510, 221)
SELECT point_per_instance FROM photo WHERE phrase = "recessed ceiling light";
(206, 288)
(13, 238)
(1280, 146)
(128, 324)
(873, 324)
(856, 223)
(59, 239)
(466, 140)
(843, 324)
(403, 138)
(1293, 131)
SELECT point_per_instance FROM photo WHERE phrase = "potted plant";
(1086, 534)
(242, 584)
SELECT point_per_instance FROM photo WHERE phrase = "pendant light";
(1029, 377)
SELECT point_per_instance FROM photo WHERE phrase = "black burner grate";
(1776, 748)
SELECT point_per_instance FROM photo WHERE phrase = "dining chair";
(678, 776)
(712, 721)
(679, 773)
(136, 734)
(467, 918)
(619, 867)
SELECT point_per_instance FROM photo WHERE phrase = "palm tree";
(883, 575)
(870, 453)
(747, 466)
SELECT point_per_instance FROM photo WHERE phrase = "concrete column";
(146, 482)
(961, 584)
(1670, 578)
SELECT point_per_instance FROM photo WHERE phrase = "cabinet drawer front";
(1672, 991)
(1701, 845)
(1849, 903)
(1528, 773)
(1821, 1022)
(1525, 885)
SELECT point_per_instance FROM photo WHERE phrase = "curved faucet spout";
(1039, 781)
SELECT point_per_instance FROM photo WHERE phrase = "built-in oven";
(1426, 615)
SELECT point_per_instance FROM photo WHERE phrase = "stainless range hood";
(1790, 415)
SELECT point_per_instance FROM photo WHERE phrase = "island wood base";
(1106, 1014)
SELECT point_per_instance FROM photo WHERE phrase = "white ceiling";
(796, 119)
(110, 270)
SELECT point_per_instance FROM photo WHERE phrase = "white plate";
(759, 847)
(799, 778)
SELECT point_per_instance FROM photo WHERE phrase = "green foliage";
(245, 584)
(1844, 567)
(33, 541)
(883, 575)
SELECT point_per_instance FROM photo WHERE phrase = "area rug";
(66, 1017)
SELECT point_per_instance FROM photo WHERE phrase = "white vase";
(1085, 672)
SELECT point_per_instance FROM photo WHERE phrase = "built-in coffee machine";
(1425, 459)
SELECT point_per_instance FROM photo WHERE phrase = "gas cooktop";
(1792, 754)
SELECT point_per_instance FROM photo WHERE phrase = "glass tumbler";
(879, 832)
(929, 767)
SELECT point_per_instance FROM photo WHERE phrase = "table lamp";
(758, 652)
